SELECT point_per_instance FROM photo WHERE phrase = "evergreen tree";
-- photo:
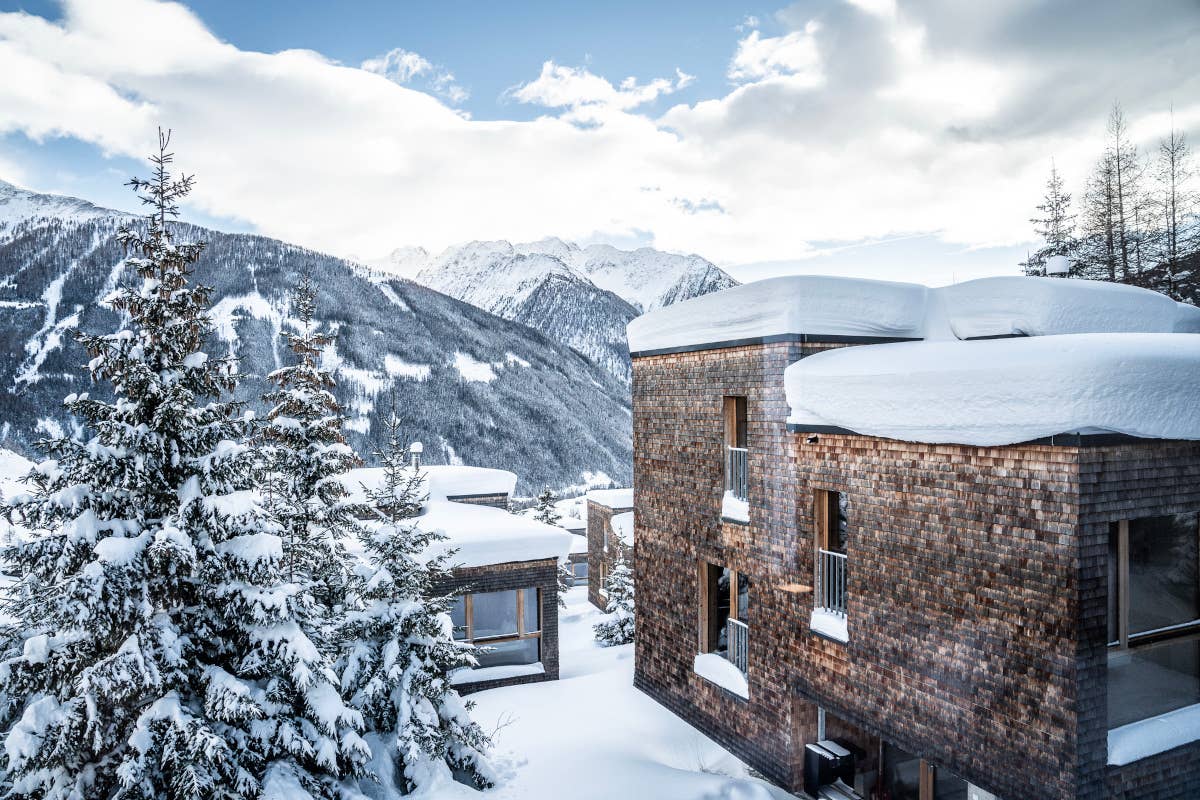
(156, 650)
(400, 647)
(1055, 224)
(545, 512)
(618, 628)
(305, 456)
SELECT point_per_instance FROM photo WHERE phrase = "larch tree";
(1055, 224)
(1126, 195)
(155, 650)
(545, 512)
(305, 458)
(1176, 212)
(399, 646)
(1098, 254)
(619, 627)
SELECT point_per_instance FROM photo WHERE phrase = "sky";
(894, 140)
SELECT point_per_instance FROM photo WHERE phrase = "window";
(507, 623)
(907, 777)
(830, 538)
(580, 570)
(736, 459)
(1153, 616)
(724, 613)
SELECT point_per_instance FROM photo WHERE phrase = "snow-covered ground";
(592, 736)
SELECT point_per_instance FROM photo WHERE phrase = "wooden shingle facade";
(977, 585)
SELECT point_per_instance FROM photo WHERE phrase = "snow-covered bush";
(619, 626)
(158, 649)
(400, 647)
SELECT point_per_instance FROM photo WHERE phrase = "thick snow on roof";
(1007, 306)
(485, 535)
(441, 481)
(829, 306)
(813, 304)
(622, 525)
(1003, 391)
(613, 498)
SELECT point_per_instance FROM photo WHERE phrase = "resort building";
(609, 527)
(505, 571)
(925, 544)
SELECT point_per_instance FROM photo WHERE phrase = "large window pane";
(948, 786)
(530, 609)
(1152, 680)
(581, 570)
(1164, 580)
(495, 614)
(503, 654)
(458, 615)
(901, 774)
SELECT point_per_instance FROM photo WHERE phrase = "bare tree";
(1175, 211)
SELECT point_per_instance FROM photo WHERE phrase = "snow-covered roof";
(1004, 391)
(794, 304)
(441, 481)
(579, 544)
(622, 525)
(1008, 306)
(830, 307)
(484, 535)
(613, 498)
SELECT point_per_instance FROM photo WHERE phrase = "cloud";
(844, 124)
(401, 66)
(572, 87)
(794, 53)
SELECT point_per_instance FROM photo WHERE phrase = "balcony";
(829, 615)
(734, 505)
(737, 635)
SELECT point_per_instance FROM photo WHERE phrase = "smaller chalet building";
(505, 572)
(609, 527)
(925, 544)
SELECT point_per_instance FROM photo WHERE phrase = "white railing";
(736, 480)
(737, 633)
(831, 581)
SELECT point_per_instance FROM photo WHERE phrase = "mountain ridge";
(475, 388)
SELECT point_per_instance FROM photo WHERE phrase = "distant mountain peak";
(581, 296)
(18, 205)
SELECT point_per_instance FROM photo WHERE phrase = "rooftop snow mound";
(1021, 306)
(441, 481)
(622, 526)
(612, 498)
(483, 535)
(794, 304)
(823, 306)
(1005, 391)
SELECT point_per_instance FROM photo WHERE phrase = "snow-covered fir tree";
(305, 457)
(545, 512)
(156, 649)
(618, 627)
(1055, 224)
(400, 647)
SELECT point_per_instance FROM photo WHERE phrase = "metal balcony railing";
(735, 472)
(737, 633)
(831, 581)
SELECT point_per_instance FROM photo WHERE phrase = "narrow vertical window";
(735, 503)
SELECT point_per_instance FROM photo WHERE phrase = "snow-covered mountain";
(580, 296)
(473, 387)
